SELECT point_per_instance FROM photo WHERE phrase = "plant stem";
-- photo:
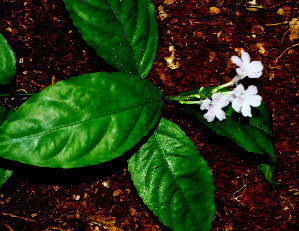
(232, 82)
(223, 86)
(175, 98)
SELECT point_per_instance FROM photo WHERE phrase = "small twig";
(33, 82)
(284, 35)
(27, 219)
(201, 2)
(7, 226)
(94, 222)
(276, 60)
(53, 79)
(55, 228)
(243, 187)
(22, 218)
(277, 24)
(290, 204)
(237, 198)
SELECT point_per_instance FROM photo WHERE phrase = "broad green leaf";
(254, 135)
(81, 121)
(267, 172)
(3, 114)
(4, 175)
(7, 62)
(124, 33)
(173, 179)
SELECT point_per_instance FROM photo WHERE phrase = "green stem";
(175, 98)
(182, 98)
(186, 99)
(223, 86)
(234, 81)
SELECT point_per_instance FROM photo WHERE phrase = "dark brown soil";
(204, 35)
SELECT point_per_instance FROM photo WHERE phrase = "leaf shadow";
(94, 60)
(60, 176)
(249, 157)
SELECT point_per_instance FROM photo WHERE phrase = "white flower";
(243, 99)
(247, 68)
(214, 107)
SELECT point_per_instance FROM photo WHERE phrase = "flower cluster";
(242, 100)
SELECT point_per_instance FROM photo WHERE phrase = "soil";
(203, 34)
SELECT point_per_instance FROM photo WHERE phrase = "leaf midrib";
(15, 140)
(168, 167)
(122, 28)
(127, 38)
(253, 124)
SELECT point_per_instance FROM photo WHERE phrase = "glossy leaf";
(4, 175)
(7, 62)
(3, 114)
(124, 33)
(254, 135)
(173, 179)
(267, 173)
(81, 121)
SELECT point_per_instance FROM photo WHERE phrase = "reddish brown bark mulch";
(204, 35)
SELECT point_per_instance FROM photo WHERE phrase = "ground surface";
(204, 35)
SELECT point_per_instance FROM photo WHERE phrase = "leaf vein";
(15, 140)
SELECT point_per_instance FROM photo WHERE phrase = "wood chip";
(294, 29)
(168, 2)
(214, 10)
(117, 192)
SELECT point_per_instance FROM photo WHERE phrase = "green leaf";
(81, 121)
(267, 173)
(254, 135)
(124, 33)
(4, 175)
(3, 114)
(173, 179)
(7, 62)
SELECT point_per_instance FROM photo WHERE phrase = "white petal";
(238, 90)
(220, 115)
(220, 100)
(251, 90)
(236, 60)
(216, 96)
(209, 117)
(223, 102)
(246, 110)
(229, 95)
(255, 100)
(205, 104)
(245, 57)
(255, 66)
(254, 74)
(236, 105)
